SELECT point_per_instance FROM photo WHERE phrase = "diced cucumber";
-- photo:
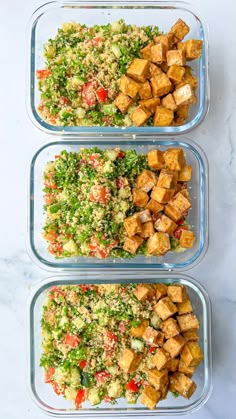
(75, 377)
(137, 345)
(116, 50)
(109, 109)
(155, 321)
(117, 27)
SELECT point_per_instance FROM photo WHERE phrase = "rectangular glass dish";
(197, 218)
(42, 394)
(49, 17)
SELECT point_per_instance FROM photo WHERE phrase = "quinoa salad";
(104, 342)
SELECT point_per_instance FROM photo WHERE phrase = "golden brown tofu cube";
(150, 397)
(169, 102)
(182, 46)
(170, 328)
(160, 359)
(193, 48)
(165, 224)
(165, 308)
(153, 337)
(185, 307)
(140, 115)
(161, 291)
(167, 179)
(162, 39)
(132, 225)
(162, 195)
(128, 86)
(158, 53)
(140, 198)
(145, 91)
(154, 206)
(177, 293)
(175, 57)
(174, 345)
(158, 378)
(156, 159)
(146, 51)
(176, 73)
(150, 104)
(185, 193)
(189, 79)
(187, 322)
(154, 70)
(184, 95)
(180, 203)
(144, 216)
(180, 29)
(190, 335)
(164, 390)
(161, 85)
(182, 384)
(182, 367)
(144, 292)
(185, 174)
(163, 117)
(174, 159)
(132, 244)
(158, 244)
(172, 365)
(139, 330)
(138, 69)
(129, 361)
(182, 111)
(172, 213)
(187, 239)
(146, 180)
(192, 354)
(123, 102)
(147, 229)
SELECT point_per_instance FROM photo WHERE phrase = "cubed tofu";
(162, 39)
(174, 159)
(182, 112)
(180, 203)
(150, 397)
(146, 180)
(172, 213)
(165, 308)
(176, 57)
(182, 367)
(182, 384)
(170, 328)
(184, 95)
(145, 91)
(140, 115)
(164, 390)
(180, 29)
(150, 104)
(144, 216)
(128, 86)
(147, 229)
(185, 307)
(187, 239)
(158, 244)
(154, 206)
(165, 224)
(138, 70)
(176, 73)
(123, 102)
(160, 359)
(172, 365)
(174, 345)
(158, 53)
(185, 193)
(187, 322)
(129, 361)
(156, 159)
(182, 46)
(154, 70)
(190, 335)
(132, 225)
(167, 179)
(185, 174)
(140, 198)
(144, 292)
(163, 117)
(177, 293)
(162, 195)
(157, 378)
(193, 48)
(132, 244)
(161, 85)
(153, 337)
(146, 51)
(161, 291)
(192, 354)
(139, 330)
(169, 102)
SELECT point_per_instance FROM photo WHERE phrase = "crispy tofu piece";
(153, 337)
(162, 195)
(174, 345)
(187, 322)
(146, 51)
(128, 86)
(158, 378)
(162, 39)
(158, 53)
(180, 29)
(123, 102)
(185, 193)
(175, 57)
(184, 369)
(145, 91)
(165, 308)
(174, 159)
(182, 46)
(154, 70)
(169, 102)
(132, 244)
(167, 179)
(158, 244)
(180, 203)
(161, 291)
(163, 117)
(176, 73)
(132, 225)
(177, 293)
(187, 239)
(184, 95)
(147, 229)
(138, 70)
(165, 224)
(172, 213)
(146, 180)
(156, 159)
(190, 335)
(170, 328)
(172, 365)
(150, 104)
(139, 330)
(192, 354)
(193, 48)
(164, 390)
(182, 111)
(160, 359)
(140, 115)
(161, 85)
(154, 206)
(129, 361)
(185, 174)
(185, 307)
(182, 384)
(144, 216)
(150, 397)
(144, 292)
(140, 198)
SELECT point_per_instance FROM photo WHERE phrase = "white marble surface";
(20, 139)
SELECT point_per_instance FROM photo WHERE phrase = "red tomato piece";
(152, 349)
(102, 253)
(51, 236)
(122, 328)
(49, 182)
(94, 160)
(72, 340)
(85, 287)
(120, 155)
(48, 198)
(132, 386)
(88, 94)
(55, 292)
(82, 364)
(98, 194)
(101, 94)
(96, 40)
(110, 340)
(120, 183)
(107, 398)
(42, 74)
(58, 389)
(178, 230)
(55, 248)
(102, 376)
(80, 397)
(63, 100)
(48, 375)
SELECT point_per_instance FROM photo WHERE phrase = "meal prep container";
(48, 18)
(197, 218)
(43, 394)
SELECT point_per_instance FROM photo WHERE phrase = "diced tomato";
(122, 289)
(48, 375)
(80, 397)
(42, 74)
(63, 100)
(55, 248)
(86, 287)
(41, 106)
(101, 94)
(48, 198)
(120, 183)
(88, 94)
(102, 376)
(98, 194)
(120, 155)
(51, 236)
(55, 292)
(72, 340)
(94, 160)
(58, 389)
(107, 398)
(122, 328)
(102, 253)
(110, 340)
(82, 364)
(83, 161)
(96, 40)
(178, 230)
(49, 182)
(107, 120)
(132, 386)
(152, 349)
